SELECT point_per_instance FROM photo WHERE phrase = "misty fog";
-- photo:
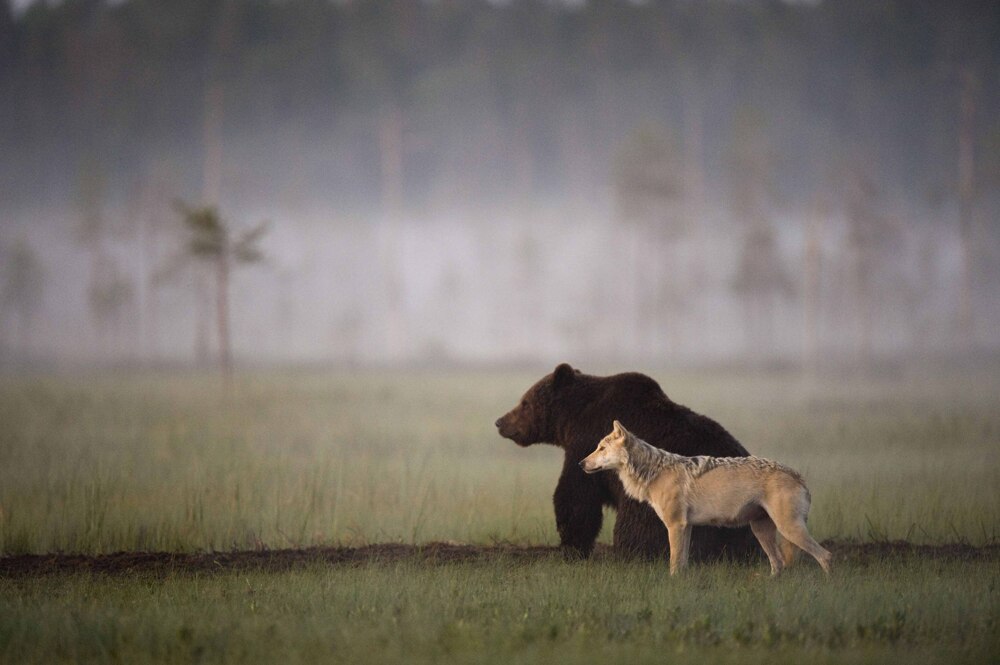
(450, 182)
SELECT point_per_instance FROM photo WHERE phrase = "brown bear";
(575, 411)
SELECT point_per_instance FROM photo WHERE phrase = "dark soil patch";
(163, 563)
(268, 560)
(844, 550)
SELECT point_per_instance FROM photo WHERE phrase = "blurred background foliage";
(772, 181)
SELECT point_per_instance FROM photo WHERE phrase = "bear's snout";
(503, 426)
(508, 427)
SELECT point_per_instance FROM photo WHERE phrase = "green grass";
(165, 462)
(95, 465)
(98, 463)
(899, 611)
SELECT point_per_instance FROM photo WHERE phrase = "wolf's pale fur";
(719, 491)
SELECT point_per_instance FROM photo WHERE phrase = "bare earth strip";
(123, 563)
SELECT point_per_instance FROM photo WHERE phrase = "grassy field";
(99, 464)
(900, 611)
(96, 464)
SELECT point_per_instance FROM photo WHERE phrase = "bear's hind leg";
(715, 543)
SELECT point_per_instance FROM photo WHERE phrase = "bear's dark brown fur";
(575, 411)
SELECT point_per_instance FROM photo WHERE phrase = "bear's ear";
(563, 376)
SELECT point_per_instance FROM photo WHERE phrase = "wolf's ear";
(617, 429)
(563, 376)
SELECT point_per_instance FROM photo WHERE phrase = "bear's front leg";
(578, 506)
(639, 532)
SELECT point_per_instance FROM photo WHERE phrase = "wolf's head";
(611, 453)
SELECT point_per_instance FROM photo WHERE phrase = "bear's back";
(641, 405)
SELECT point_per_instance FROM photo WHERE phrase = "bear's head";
(531, 421)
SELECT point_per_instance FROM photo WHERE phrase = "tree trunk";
(966, 193)
(811, 271)
(638, 292)
(390, 140)
(392, 290)
(222, 315)
(694, 155)
(211, 187)
(23, 335)
(524, 159)
(211, 176)
(203, 307)
(864, 301)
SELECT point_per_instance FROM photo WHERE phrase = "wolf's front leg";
(680, 543)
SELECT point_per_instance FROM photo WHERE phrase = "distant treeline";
(404, 104)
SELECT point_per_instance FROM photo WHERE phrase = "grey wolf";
(721, 491)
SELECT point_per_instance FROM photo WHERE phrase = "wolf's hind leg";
(767, 534)
(795, 531)
(787, 549)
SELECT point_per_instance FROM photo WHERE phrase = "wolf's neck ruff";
(643, 464)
